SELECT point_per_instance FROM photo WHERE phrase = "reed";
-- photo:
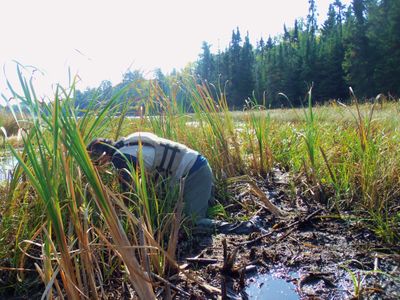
(57, 166)
(84, 227)
(259, 121)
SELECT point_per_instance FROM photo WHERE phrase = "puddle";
(267, 287)
(7, 164)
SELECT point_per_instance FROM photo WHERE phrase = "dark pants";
(198, 192)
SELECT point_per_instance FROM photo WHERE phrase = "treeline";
(130, 88)
(357, 46)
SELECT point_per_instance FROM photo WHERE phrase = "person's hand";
(102, 160)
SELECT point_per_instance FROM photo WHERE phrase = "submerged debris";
(302, 250)
(319, 255)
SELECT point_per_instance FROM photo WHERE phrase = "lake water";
(7, 164)
(268, 287)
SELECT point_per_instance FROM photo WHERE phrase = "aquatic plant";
(66, 218)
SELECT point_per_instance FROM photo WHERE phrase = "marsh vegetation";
(68, 231)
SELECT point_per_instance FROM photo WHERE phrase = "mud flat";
(310, 253)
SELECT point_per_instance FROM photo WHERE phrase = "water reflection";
(267, 287)
(7, 164)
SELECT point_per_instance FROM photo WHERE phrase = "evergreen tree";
(310, 49)
(105, 89)
(331, 54)
(162, 81)
(357, 62)
(384, 38)
(295, 36)
(246, 71)
(358, 46)
(206, 65)
(259, 68)
(234, 91)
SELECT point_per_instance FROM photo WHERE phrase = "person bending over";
(165, 157)
(176, 161)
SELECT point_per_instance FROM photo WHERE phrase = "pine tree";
(331, 54)
(206, 65)
(295, 36)
(259, 68)
(246, 81)
(234, 92)
(384, 39)
(357, 63)
(162, 81)
(310, 51)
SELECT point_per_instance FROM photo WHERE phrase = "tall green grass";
(347, 153)
(77, 215)
(55, 168)
(258, 123)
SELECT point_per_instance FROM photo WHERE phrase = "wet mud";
(309, 253)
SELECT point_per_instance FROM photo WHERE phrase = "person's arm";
(126, 157)
(123, 163)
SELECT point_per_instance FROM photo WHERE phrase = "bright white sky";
(100, 40)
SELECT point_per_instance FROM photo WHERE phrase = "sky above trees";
(101, 40)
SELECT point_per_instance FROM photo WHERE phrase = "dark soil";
(323, 254)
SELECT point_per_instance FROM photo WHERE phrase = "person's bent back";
(167, 158)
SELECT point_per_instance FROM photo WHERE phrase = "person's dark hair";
(99, 146)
